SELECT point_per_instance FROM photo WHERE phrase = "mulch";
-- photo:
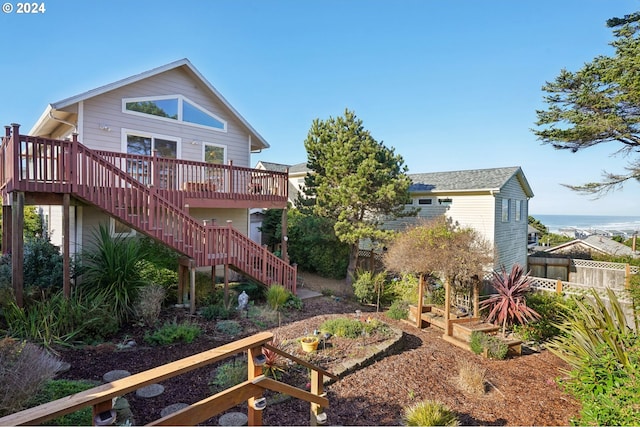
(519, 391)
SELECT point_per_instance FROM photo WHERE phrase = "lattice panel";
(599, 264)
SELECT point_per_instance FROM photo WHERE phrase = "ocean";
(627, 224)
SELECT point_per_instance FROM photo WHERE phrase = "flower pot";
(309, 344)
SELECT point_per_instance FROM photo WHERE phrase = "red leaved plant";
(274, 363)
(508, 304)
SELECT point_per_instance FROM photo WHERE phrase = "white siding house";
(492, 201)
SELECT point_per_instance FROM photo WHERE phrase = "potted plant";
(309, 343)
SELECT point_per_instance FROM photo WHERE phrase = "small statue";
(243, 301)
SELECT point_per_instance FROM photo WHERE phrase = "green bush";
(61, 320)
(313, 245)
(496, 348)
(57, 389)
(604, 354)
(352, 328)
(172, 332)
(405, 288)
(429, 413)
(229, 327)
(277, 296)
(552, 309)
(255, 291)
(168, 279)
(398, 310)
(111, 268)
(216, 311)
(227, 375)
(370, 288)
(294, 302)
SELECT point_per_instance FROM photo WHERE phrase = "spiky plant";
(509, 305)
(273, 364)
(590, 326)
(429, 413)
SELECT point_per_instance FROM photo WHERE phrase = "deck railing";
(100, 398)
(46, 165)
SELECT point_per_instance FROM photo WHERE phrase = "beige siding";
(511, 236)
(106, 109)
(239, 217)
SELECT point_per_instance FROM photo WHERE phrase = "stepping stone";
(172, 408)
(233, 419)
(149, 391)
(115, 375)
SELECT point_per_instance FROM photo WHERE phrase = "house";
(495, 202)
(296, 172)
(591, 245)
(533, 237)
(161, 153)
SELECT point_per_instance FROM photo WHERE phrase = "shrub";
(471, 377)
(604, 354)
(369, 288)
(277, 296)
(42, 264)
(552, 309)
(405, 288)
(495, 347)
(56, 389)
(398, 310)
(294, 302)
(255, 291)
(227, 375)
(229, 327)
(24, 369)
(149, 305)
(111, 268)
(61, 320)
(172, 332)
(168, 279)
(216, 311)
(429, 413)
(352, 328)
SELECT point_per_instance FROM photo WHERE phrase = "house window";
(505, 210)
(214, 153)
(174, 108)
(118, 229)
(138, 143)
(425, 201)
(518, 212)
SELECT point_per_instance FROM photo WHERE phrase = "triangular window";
(173, 108)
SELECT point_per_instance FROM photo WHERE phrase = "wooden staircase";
(40, 165)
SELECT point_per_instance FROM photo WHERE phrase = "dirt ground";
(519, 391)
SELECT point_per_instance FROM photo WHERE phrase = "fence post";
(559, 287)
(627, 276)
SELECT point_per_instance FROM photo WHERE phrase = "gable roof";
(39, 127)
(598, 243)
(273, 167)
(490, 180)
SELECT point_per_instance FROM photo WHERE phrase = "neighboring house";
(297, 173)
(592, 245)
(177, 155)
(495, 202)
(533, 237)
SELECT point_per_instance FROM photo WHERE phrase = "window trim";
(213, 144)
(181, 99)
(507, 217)
(112, 229)
(153, 136)
(518, 210)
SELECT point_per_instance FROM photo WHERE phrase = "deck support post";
(66, 245)
(192, 288)
(17, 246)
(285, 237)
(317, 389)
(6, 228)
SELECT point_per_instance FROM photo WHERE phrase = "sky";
(449, 84)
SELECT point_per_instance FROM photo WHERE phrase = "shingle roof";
(467, 180)
(274, 167)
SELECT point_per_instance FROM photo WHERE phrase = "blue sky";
(450, 84)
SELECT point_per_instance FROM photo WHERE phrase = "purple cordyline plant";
(508, 304)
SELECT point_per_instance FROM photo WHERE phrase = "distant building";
(592, 245)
